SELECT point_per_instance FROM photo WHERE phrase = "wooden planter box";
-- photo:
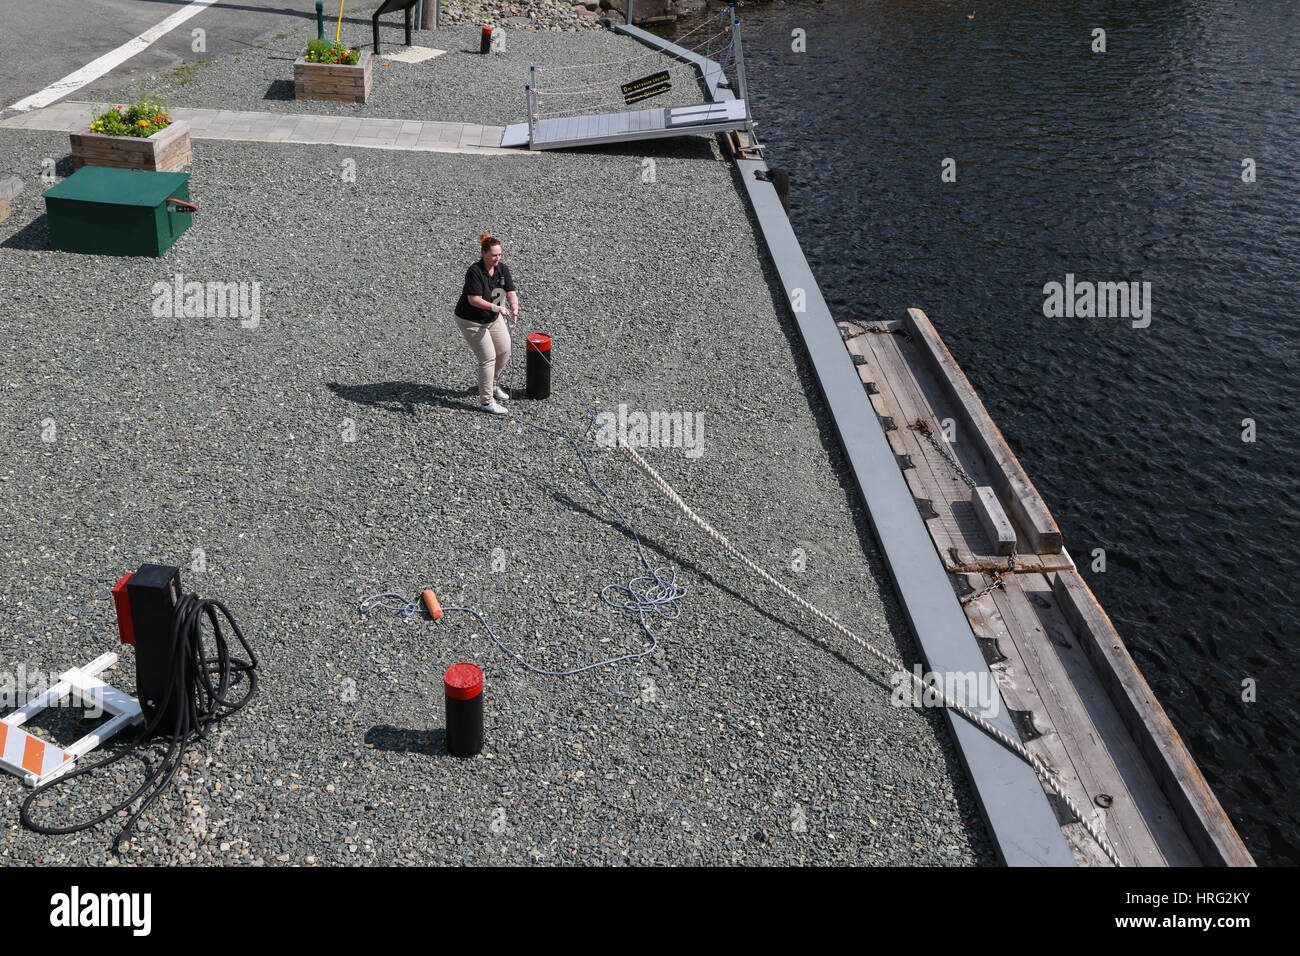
(166, 151)
(329, 81)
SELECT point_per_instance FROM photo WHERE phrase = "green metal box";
(117, 212)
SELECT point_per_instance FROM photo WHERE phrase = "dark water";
(1123, 166)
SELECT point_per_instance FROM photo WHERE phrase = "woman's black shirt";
(478, 282)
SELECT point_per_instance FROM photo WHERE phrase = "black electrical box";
(154, 592)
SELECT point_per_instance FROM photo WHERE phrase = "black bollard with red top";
(538, 367)
(485, 41)
(463, 687)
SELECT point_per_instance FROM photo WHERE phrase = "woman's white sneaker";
(494, 408)
(500, 393)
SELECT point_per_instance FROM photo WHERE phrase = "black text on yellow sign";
(647, 93)
(647, 86)
(637, 86)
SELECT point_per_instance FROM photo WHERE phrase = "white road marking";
(97, 68)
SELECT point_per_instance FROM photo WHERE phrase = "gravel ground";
(537, 14)
(461, 85)
(748, 737)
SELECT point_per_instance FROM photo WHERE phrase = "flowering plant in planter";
(318, 51)
(140, 135)
(331, 71)
(142, 118)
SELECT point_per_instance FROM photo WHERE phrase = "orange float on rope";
(431, 604)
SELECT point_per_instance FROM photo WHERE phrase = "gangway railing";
(540, 131)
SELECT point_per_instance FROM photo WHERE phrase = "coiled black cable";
(202, 685)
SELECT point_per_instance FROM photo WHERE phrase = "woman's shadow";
(403, 396)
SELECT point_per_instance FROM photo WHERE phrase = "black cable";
(201, 705)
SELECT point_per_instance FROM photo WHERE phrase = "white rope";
(1043, 773)
(605, 82)
(630, 59)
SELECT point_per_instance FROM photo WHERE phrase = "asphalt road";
(41, 43)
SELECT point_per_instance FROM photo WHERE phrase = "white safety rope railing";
(534, 90)
(629, 59)
(606, 81)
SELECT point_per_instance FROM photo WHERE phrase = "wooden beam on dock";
(1014, 488)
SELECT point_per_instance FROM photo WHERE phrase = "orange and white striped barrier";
(37, 760)
(24, 754)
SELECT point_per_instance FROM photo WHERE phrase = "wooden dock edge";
(1013, 486)
(1197, 808)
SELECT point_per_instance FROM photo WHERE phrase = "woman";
(489, 295)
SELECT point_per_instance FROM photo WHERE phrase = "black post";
(408, 26)
(463, 692)
(153, 592)
(537, 366)
(375, 23)
(320, 20)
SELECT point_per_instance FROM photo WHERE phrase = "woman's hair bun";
(486, 242)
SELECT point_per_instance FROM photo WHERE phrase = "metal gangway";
(544, 131)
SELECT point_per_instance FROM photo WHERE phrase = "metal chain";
(997, 580)
(864, 329)
(921, 428)
(972, 598)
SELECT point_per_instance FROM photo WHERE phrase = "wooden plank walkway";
(1091, 721)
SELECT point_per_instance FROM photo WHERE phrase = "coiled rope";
(200, 691)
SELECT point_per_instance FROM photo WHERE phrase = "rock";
(11, 187)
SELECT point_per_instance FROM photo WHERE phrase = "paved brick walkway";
(257, 127)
